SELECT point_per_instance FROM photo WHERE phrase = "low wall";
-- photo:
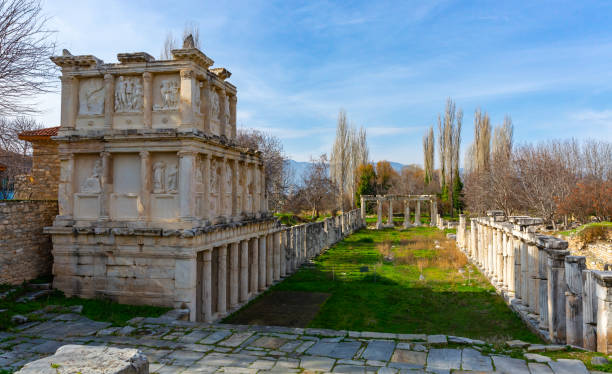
(25, 251)
(554, 293)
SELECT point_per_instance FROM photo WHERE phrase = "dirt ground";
(281, 308)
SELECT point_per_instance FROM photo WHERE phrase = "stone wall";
(554, 293)
(25, 251)
(42, 182)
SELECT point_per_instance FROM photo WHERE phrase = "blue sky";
(390, 64)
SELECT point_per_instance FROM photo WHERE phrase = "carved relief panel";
(91, 96)
(128, 94)
(227, 206)
(87, 184)
(215, 109)
(214, 187)
(166, 100)
(164, 185)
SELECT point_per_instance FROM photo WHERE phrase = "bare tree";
(25, 46)
(275, 163)
(428, 155)
(340, 162)
(318, 192)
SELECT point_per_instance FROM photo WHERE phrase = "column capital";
(104, 154)
(108, 77)
(144, 154)
(186, 153)
(147, 75)
(186, 73)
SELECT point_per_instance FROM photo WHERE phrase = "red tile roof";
(39, 134)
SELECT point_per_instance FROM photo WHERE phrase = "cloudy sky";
(390, 64)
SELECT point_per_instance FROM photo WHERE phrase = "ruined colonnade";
(406, 199)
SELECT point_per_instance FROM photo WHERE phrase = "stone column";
(245, 186)
(254, 266)
(234, 275)
(604, 311)
(277, 255)
(533, 285)
(589, 308)
(461, 232)
(206, 181)
(70, 101)
(235, 180)
(556, 294)
(256, 204)
(109, 100)
(515, 267)
(222, 281)
(186, 191)
(390, 223)
(574, 266)
(207, 286)
(232, 124)
(145, 186)
(434, 213)
(262, 262)
(417, 213)
(363, 208)
(65, 197)
(474, 240)
(269, 260)
(541, 302)
(147, 102)
(499, 247)
(379, 211)
(244, 271)
(224, 127)
(222, 186)
(264, 198)
(107, 186)
(407, 223)
(187, 92)
(283, 253)
(524, 272)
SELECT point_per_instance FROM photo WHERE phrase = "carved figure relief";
(159, 172)
(128, 94)
(213, 176)
(226, 113)
(199, 179)
(92, 183)
(91, 97)
(214, 105)
(172, 179)
(169, 89)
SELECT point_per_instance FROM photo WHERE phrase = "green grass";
(580, 228)
(391, 298)
(97, 310)
(584, 356)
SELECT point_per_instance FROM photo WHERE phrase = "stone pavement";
(185, 347)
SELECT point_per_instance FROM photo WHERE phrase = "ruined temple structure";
(406, 200)
(157, 204)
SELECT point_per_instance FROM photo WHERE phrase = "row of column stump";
(553, 292)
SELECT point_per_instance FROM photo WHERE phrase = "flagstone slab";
(567, 366)
(444, 359)
(471, 359)
(380, 350)
(507, 365)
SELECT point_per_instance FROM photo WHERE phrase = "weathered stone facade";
(553, 292)
(157, 205)
(43, 180)
(25, 251)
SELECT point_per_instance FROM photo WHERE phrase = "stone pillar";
(235, 180)
(223, 125)
(461, 232)
(276, 238)
(207, 286)
(574, 266)
(65, 197)
(379, 211)
(604, 311)
(363, 208)
(556, 294)
(524, 272)
(541, 302)
(232, 109)
(106, 183)
(390, 223)
(589, 310)
(269, 260)
(262, 262)
(533, 284)
(283, 253)
(234, 275)
(511, 265)
(206, 181)
(499, 248)
(256, 190)
(407, 214)
(417, 213)
(474, 240)
(264, 197)
(70, 102)
(109, 100)
(434, 213)
(244, 271)
(187, 92)
(245, 187)
(254, 266)
(222, 187)
(222, 281)
(145, 185)
(147, 102)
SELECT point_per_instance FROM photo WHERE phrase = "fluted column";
(390, 212)
(234, 275)
(222, 281)
(207, 285)
(574, 266)
(187, 95)
(109, 100)
(222, 187)
(107, 186)
(417, 214)
(283, 253)
(206, 181)
(269, 259)
(147, 103)
(244, 271)
(255, 203)
(379, 214)
(262, 262)
(232, 110)
(277, 255)
(254, 262)
(245, 187)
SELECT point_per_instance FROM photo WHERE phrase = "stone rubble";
(175, 346)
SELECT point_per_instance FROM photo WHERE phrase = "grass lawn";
(396, 281)
(605, 224)
(97, 310)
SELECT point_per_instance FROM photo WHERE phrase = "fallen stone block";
(90, 360)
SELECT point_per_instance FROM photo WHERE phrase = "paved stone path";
(185, 347)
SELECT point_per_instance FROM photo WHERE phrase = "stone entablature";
(555, 293)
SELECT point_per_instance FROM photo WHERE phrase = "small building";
(42, 181)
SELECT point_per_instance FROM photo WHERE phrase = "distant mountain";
(299, 168)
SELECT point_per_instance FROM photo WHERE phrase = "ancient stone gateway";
(406, 199)
(157, 204)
